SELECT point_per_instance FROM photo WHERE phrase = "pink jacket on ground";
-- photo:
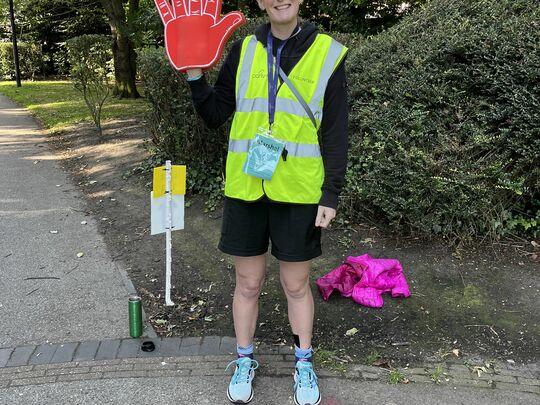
(365, 279)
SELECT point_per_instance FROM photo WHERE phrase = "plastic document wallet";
(263, 156)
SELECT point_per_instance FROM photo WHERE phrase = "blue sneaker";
(240, 390)
(306, 388)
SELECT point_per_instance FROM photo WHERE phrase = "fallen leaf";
(351, 332)
(479, 370)
(83, 222)
(53, 232)
(456, 352)
(535, 244)
(380, 363)
(80, 254)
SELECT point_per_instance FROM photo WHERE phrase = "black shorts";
(248, 226)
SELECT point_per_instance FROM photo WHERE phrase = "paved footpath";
(48, 293)
(63, 322)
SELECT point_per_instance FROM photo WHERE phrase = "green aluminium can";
(135, 316)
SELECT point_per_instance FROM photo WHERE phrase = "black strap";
(298, 96)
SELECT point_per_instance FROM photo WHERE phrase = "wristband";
(192, 79)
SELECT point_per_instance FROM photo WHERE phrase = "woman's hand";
(324, 216)
(195, 33)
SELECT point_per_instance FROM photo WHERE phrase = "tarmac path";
(47, 293)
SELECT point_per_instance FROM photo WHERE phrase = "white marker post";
(168, 236)
(167, 211)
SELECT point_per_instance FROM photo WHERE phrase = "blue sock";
(245, 351)
(303, 354)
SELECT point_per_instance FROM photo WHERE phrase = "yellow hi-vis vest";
(298, 178)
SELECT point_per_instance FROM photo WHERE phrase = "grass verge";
(58, 104)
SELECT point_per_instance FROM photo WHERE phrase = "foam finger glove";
(195, 33)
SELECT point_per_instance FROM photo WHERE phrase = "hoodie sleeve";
(334, 137)
(216, 104)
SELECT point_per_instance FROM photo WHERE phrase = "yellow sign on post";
(178, 181)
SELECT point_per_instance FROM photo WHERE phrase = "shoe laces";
(243, 368)
(306, 375)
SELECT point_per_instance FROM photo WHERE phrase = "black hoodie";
(216, 104)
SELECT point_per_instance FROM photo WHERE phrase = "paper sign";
(159, 214)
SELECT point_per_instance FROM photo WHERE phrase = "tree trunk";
(124, 56)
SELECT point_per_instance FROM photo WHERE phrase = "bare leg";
(250, 272)
(295, 282)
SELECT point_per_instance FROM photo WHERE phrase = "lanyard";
(273, 76)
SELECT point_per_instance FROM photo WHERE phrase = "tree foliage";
(49, 23)
(364, 16)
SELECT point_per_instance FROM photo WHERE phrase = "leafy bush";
(90, 59)
(445, 121)
(60, 59)
(30, 60)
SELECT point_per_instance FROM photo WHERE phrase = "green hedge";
(30, 60)
(445, 120)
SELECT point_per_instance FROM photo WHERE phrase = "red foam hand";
(195, 33)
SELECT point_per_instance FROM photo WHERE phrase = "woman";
(301, 197)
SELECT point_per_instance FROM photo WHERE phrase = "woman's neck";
(283, 31)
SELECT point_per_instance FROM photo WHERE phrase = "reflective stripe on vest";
(293, 149)
(285, 105)
(245, 71)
